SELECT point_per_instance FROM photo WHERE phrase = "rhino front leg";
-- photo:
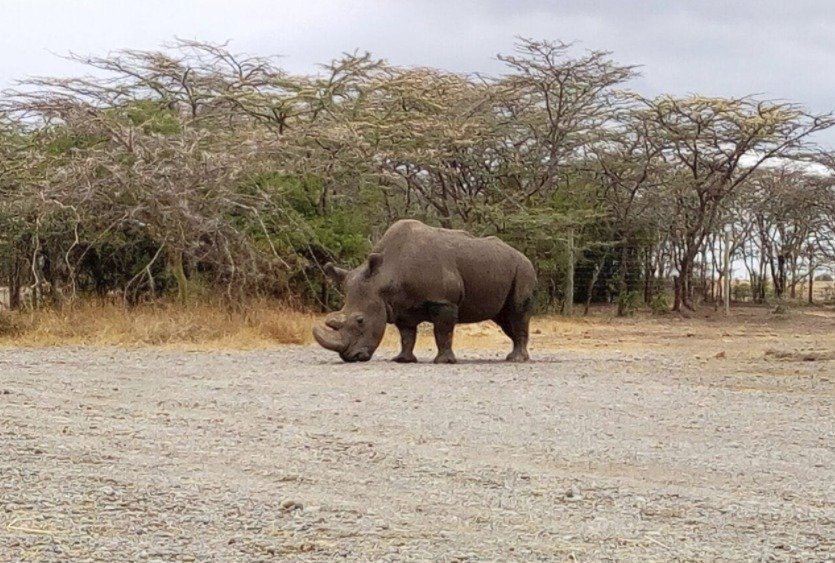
(408, 336)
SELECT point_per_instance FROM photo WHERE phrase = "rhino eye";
(359, 319)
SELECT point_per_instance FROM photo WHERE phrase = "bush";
(741, 291)
(627, 303)
(660, 304)
(10, 325)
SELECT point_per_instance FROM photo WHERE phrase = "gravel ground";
(587, 455)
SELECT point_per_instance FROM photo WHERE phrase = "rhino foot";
(445, 358)
(405, 359)
(518, 356)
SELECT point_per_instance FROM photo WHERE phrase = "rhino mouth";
(361, 355)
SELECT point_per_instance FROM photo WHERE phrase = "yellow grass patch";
(706, 335)
(259, 324)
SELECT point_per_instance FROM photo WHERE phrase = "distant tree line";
(196, 172)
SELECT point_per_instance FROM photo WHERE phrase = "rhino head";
(356, 331)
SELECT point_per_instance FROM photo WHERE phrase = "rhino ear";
(374, 262)
(335, 273)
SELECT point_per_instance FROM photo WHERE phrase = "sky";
(777, 49)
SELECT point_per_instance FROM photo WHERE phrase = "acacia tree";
(11, 166)
(552, 107)
(790, 209)
(151, 152)
(428, 135)
(629, 171)
(713, 146)
(171, 168)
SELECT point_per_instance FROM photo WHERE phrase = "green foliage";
(338, 230)
(628, 303)
(152, 117)
(660, 304)
(741, 291)
(254, 178)
(62, 141)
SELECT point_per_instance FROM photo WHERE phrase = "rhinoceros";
(418, 273)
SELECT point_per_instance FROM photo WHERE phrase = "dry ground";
(630, 440)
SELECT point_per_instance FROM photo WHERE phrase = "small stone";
(289, 505)
(720, 355)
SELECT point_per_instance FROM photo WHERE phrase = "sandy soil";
(632, 440)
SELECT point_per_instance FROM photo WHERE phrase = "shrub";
(660, 304)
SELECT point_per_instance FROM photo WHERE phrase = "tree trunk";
(811, 283)
(175, 262)
(715, 294)
(726, 270)
(14, 283)
(689, 292)
(592, 281)
(780, 283)
(705, 290)
(323, 297)
(595, 274)
(684, 282)
(568, 309)
(648, 276)
(677, 300)
(779, 276)
(623, 288)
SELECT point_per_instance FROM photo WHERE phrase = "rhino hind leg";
(515, 321)
(408, 336)
(444, 318)
(516, 327)
(443, 339)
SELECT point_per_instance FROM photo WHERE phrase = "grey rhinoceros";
(419, 273)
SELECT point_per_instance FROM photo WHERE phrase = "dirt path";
(614, 452)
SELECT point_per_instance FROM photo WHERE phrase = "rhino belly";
(483, 299)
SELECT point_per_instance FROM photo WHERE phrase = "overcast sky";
(779, 49)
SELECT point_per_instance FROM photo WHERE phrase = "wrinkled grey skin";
(417, 273)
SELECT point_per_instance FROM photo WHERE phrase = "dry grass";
(258, 325)
(263, 324)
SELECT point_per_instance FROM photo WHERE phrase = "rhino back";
(428, 264)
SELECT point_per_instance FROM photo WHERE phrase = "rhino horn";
(329, 339)
(335, 321)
